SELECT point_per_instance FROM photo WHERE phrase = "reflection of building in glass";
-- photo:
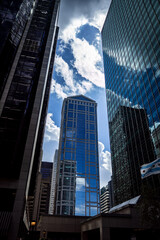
(128, 130)
(131, 40)
(53, 184)
(29, 43)
(156, 138)
(78, 180)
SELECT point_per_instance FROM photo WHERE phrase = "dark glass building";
(131, 54)
(46, 170)
(78, 166)
(45, 189)
(25, 89)
(13, 19)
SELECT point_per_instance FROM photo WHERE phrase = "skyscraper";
(104, 200)
(53, 184)
(23, 105)
(131, 53)
(78, 167)
(46, 172)
(13, 18)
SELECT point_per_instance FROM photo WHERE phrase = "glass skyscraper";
(78, 166)
(53, 184)
(13, 19)
(28, 41)
(131, 54)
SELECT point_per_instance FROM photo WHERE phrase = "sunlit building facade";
(104, 200)
(78, 166)
(131, 54)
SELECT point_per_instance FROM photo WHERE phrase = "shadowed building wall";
(23, 108)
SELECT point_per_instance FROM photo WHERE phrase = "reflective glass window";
(93, 196)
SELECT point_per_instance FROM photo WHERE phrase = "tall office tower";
(110, 189)
(13, 18)
(53, 184)
(78, 166)
(131, 53)
(23, 107)
(45, 187)
(104, 200)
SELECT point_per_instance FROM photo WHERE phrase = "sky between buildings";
(78, 69)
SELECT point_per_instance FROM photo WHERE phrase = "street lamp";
(32, 228)
(33, 224)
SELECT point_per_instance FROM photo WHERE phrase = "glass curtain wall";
(131, 53)
(78, 183)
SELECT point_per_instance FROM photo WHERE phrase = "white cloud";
(98, 19)
(58, 89)
(80, 210)
(86, 60)
(70, 86)
(62, 68)
(93, 10)
(80, 184)
(51, 130)
(69, 33)
(104, 164)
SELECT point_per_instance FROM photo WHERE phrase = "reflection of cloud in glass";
(80, 210)
(137, 106)
(120, 99)
(80, 184)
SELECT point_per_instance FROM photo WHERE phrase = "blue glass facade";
(131, 53)
(78, 181)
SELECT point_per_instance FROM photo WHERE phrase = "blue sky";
(78, 69)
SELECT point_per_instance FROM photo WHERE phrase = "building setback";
(78, 166)
(131, 54)
(23, 106)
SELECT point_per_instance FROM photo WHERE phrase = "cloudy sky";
(78, 69)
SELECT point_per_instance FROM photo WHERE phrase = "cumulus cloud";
(52, 131)
(58, 89)
(80, 210)
(62, 68)
(80, 184)
(93, 10)
(86, 60)
(70, 85)
(70, 31)
(104, 164)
